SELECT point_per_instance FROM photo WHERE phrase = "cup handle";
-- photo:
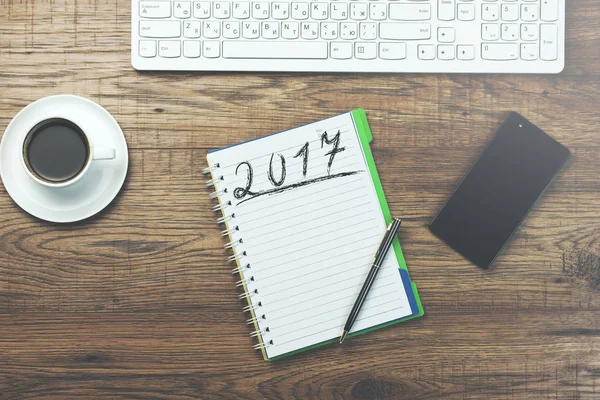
(103, 153)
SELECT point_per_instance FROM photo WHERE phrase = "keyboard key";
(490, 12)
(241, 9)
(182, 9)
(290, 30)
(348, 30)
(368, 30)
(510, 12)
(147, 48)
(231, 30)
(465, 52)
(201, 9)
(466, 12)
(329, 30)
(339, 11)
(280, 10)
(221, 9)
(445, 52)
(191, 29)
(319, 11)
(251, 30)
(160, 29)
(274, 50)
(309, 30)
(446, 10)
(270, 30)
(260, 10)
(211, 49)
(191, 48)
(490, 32)
(404, 31)
(446, 35)
(155, 9)
(392, 51)
(212, 29)
(529, 32)
(365, 50)
(499, 51)
(548, 42)
(169, 48)
(426, 51)
(529, 51)
(300, 11)
(378, 11)
(341, 50)
(410, 12)
(358, 11)
(549, 11)
(510, 32)
(529, 12)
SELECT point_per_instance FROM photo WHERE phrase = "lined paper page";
(306, 219)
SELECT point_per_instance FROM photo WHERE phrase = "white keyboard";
(454, 36)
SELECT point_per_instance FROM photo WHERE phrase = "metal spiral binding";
(234, 244)
(227, 232)
(217, 193)
(264, 345)
(234, 257)
(248, 294)
(252, 320)
(220, 207)
(243, 282)
(251, 307)
(225, 218)
(210, 169)
(211, 182)
(260, 332)
(238, 270)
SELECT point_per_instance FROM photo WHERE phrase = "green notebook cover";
(364, 132)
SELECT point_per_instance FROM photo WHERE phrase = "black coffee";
(56, 150)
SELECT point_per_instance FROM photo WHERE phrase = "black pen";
(384, 247)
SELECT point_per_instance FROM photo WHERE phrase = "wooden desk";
(138, 302)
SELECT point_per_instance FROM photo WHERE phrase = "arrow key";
(426, 52)
(465, 52)
(446, 35)
(445, 52)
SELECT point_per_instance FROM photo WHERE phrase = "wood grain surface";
(138, 301)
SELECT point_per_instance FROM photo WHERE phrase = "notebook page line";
(337, 256)
(296, 234)
(347, 299)
(336, 329)
(310, 320)
(271, 213)
(320, 252)
(295, 291)
(291, 186)
(270, 199)
(308, 239)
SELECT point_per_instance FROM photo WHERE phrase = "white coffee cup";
(56, 152)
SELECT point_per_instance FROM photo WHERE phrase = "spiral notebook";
(304, 213)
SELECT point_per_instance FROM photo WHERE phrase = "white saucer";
(86, 197)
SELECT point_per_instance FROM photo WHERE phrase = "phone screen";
(496, 194)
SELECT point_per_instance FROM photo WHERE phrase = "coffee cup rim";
(39, 179)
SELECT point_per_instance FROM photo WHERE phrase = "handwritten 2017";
(246, 193)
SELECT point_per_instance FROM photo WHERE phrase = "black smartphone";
(497, 193)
